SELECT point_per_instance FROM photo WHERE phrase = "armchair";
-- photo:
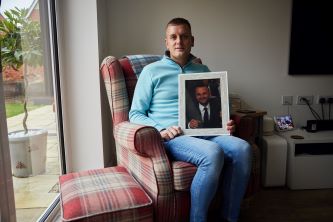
(140, 148)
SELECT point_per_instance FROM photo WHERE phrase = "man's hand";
(171, 132)
(231, 127)
(193, 124)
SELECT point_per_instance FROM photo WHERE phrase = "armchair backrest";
(120, 77)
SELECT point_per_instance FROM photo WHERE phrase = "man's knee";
(215, 154)
(244, 157)
(245, 149)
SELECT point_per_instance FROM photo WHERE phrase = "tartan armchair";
(140, 148)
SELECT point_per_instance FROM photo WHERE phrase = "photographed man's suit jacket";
(215, 120)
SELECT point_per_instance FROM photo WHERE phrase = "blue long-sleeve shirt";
(155, 101)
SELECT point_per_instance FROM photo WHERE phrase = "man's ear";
(192, 41)
(166, 43)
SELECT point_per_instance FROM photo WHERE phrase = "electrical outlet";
(300, 101)
(326, 98)
(287, 100)
(319, 97)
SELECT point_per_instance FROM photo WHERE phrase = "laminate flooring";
(284, 205)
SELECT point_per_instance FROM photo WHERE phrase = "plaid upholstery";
(139, 148)
(150, 166)
(130, 78)
(116, 89)
(109, 194)
(183, 174)
(132, 137)
(147, 142)
(139, 61)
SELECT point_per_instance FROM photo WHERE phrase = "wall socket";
(326, 97)
(299, 100)
(287, 100)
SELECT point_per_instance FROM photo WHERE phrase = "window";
(30, 92)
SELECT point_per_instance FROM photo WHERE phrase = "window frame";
(48, 19)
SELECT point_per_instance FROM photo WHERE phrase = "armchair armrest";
(145, 144)
(142, 140)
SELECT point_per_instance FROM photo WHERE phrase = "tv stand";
(309, 160)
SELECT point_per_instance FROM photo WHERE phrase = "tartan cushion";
(140, 61)
(108, 194)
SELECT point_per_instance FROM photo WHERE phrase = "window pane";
(30, 108)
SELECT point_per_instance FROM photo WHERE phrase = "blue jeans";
(212, 154)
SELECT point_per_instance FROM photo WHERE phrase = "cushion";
(108, 194)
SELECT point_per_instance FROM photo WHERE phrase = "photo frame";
(204, 103)
(283, 123)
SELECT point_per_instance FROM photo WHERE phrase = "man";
(206, 112)
(155, 103)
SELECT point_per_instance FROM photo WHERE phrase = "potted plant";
(20, 40)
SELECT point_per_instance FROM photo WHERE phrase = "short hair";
(199, 85)
(179, 21)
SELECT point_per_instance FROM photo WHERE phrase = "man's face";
(179, 41)
(202, 95)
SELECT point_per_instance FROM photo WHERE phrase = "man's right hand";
(171, 132)
(193, 124)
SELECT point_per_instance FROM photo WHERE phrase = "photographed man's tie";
(206, 116)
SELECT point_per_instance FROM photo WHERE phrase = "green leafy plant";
(20, 39)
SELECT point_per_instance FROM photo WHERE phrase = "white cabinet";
(310, 160)
(274, 151)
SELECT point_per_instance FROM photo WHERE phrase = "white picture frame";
(192, 91)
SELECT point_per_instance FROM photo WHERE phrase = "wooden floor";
(284, 205)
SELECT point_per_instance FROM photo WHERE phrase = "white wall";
(79, 70)
(107, 128)
(249, 39)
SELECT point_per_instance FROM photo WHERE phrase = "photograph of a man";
(205, 110)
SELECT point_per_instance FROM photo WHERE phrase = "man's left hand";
(171, 132)
(231, 127)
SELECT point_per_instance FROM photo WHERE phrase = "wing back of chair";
(116, 89)
(120, 77)
(132, 66)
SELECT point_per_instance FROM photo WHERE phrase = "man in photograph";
(206, 112)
